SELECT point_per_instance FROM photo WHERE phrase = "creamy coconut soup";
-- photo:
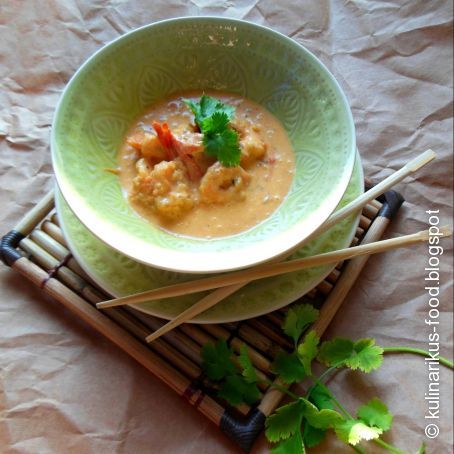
(206, 164)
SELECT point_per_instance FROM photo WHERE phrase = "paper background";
(63, 387)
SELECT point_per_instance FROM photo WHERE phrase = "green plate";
(121, 276)
(128, 75)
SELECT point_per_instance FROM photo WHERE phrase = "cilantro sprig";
(219, 139)
(304, 422)
(206, 107)
(237, 384)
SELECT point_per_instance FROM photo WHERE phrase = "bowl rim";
(205, 262)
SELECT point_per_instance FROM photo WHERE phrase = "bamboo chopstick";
(273, 269)
(197, 308)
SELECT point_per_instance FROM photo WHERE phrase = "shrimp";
(221, 184)
(148, 145)
(252, 148)
(165, 188)
(177, 148)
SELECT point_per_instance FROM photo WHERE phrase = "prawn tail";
(165, 138)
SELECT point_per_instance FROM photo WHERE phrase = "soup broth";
(192, 193)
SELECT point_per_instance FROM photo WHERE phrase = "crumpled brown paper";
(64, 388)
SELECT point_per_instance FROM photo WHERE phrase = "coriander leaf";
(292, 445)
(308, 350)
(285, 421)
(229, 390)
(211, 105)
(215, 124)
(217, 362)
(236, 390)
(320, 419)
(233, 387)
(323, 419)
(195, 108)
(363, 354)
(224, 146)
(288, 367)
(298, 318)
(248, 372)
(203, 109)
(312, 436)
(352, 431)
(206, 107)
(251, 393)
(367, 357)
(321, 398)
(335, 351)
(375, 413)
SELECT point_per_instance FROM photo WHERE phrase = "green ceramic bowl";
(125, 77)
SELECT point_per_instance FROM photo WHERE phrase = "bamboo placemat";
(37, 249)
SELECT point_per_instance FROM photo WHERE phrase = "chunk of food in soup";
(206, 165)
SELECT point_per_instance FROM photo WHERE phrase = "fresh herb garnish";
(206, 107)
(303, 423)
(363, 354)
(217, 362)
(288, 367)
(220, 140)
(375, 413)
(236, 384)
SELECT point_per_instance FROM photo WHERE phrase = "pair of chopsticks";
(228, 283)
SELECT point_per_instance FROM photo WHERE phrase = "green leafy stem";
(418, 351)
(304, 422)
